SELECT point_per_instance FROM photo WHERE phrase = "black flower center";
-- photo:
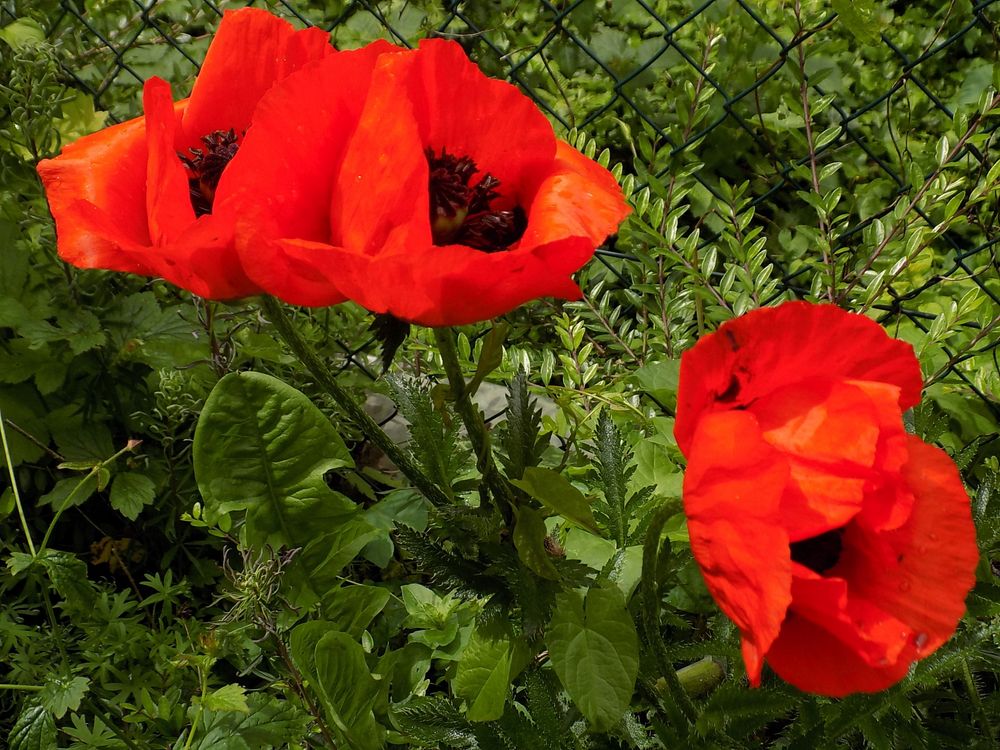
(461, 211)
(819, 553)
(206, 165)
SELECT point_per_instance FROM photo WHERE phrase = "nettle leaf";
(263, 447)
(34, 730)
(482, 677)
(130, 492)
(594, 650)
(62, 694)
(557, 493)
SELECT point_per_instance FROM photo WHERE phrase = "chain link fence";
(620, 67)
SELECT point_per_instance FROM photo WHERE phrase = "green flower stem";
(94, 471)
(701, 677)
(25, 688)
(13, 486)
(654, 561)
(473, 421)
(358, 416)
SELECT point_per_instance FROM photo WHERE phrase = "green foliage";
(228, 564)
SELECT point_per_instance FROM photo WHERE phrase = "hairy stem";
(473, 421)
(653, 564)
(358, 416)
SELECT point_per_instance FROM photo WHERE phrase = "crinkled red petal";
(921, 571)
(771, 348)
(732, 494)
(251, 50)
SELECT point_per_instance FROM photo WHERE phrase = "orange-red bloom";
(453, 201)
(154, 195)
(842, 547)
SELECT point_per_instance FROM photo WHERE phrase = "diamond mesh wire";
(110, 46)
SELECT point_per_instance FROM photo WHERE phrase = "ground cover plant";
(209, 543)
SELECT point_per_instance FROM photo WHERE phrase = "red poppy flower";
(453, 202)
(154, 195)
(842, 547)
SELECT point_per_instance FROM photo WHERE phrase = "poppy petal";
(580, 198)
(283, 175)
(168, 197)
(877, 637)
(810, 657)
(460, 109)
(299, 272)
(251, 50)
(732, 491)
(105, 170)
(771, 348)
(922, 571)
(383, 184)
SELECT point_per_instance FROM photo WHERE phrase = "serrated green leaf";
(594, 650)
(131, 492)
(230, 697)
(68, 575)
(263, 447)
(33, 730)
(63, 694)
(556, 493)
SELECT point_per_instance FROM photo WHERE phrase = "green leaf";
(482, 677)
(520, 432)
(33, 730)
(349, 690)
(556, 493)
(6, 503)
(491, 355)
(659, 380)
(227, 698)
(861, 18)
(529, 539)
(24, 32)
(594, 650)
(352, 608)
(268, 722)
(263, 447)
(68, 575)
(63, 694)
(76, 490)
(130, 492)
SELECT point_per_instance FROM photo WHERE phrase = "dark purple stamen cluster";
(461, 213)
(819, 553)
(205, 167)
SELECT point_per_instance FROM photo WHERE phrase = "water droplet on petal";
(905, 585)
(932, 536)
(920, 640)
